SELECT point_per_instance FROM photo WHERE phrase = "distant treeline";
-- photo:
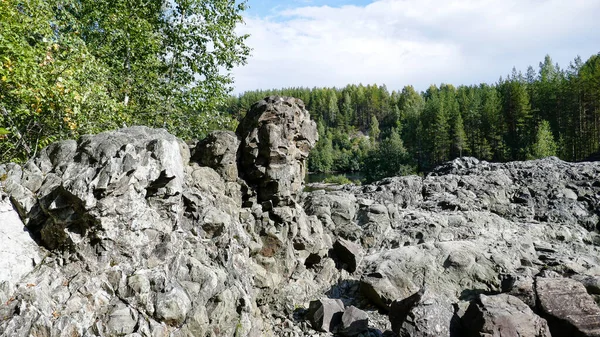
(551, 111)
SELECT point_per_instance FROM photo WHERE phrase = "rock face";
(219, 151)
(131, 233)
(19, 254)
(277, 136)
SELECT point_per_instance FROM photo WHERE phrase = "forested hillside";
(551, 111)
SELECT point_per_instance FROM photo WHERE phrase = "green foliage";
(374, 131)
(338, 179)
(496, 122)
(72, 67)
(389, 158)
(544, 145)
(50, 85)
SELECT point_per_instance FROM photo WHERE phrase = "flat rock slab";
(570, 309)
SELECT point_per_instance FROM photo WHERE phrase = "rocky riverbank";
(135, 233)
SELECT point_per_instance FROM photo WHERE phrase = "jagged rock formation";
(277, 136)
(132, 232)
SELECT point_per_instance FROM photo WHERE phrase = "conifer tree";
(545, 144)
(374, 129)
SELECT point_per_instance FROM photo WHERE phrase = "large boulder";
(277, 136)
(349, 254)
(325, 314)
(571, 311)
(503, 315)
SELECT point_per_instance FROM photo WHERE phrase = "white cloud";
(418, 42)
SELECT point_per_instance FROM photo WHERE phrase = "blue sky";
(409, 42)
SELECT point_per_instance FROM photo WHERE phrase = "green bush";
(338, 179)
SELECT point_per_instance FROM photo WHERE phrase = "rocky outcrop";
(277, 136)
(219, 151)
(133, 232)
(423, 314)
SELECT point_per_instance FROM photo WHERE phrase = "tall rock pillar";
(276, 138)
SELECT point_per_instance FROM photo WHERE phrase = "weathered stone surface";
(19, 254)
(422, 314)
(570, 310)
(219, 151)
(277, 136)
(325, 314)
(385, 286)
(349, 254)
(172, 307)
(354, 321)
(121, 320)
(140, 239)
(503, 315)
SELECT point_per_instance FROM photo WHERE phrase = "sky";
(332, 43)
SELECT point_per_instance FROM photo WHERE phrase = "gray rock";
(503, 315)
(422, 314)
(121, 320)
(522, 287)
(349, 254)
(384, 287)
(19, 254)
(172, 307)
(570, 310)
(137, 239)
(277, 136)
(219, 151)
(354, 322)
(325, 314)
